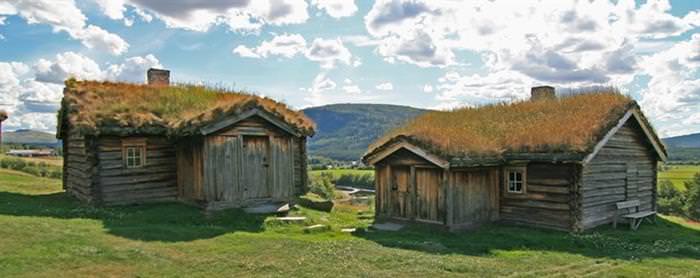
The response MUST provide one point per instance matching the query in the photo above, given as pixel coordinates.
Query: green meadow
(45, 233)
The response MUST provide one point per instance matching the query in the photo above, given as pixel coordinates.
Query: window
(515, 180)
(134, 153)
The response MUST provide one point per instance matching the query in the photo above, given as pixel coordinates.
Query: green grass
(43, 233)
(679, 174)
(339, 172)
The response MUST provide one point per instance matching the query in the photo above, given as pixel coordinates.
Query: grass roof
(567, 124)
(122, 108)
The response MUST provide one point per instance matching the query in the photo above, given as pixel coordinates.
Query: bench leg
(615, 222)
(632, 220)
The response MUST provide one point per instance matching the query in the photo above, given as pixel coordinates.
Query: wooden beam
(412, 148)
(230, 120)
(646, 129)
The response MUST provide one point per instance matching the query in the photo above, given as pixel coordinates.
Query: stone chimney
(158, 77)
(542, 92)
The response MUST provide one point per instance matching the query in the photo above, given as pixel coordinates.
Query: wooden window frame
(507, 180)
(134, 144)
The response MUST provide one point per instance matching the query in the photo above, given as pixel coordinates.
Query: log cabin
(554, 162)
(217, 149)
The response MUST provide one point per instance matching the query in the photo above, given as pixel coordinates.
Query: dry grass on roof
(567, 124)
(95, 105)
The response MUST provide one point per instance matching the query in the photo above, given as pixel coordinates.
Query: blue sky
(432, 54)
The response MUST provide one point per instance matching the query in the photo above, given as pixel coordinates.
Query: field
(44, 233)
(53, 160)
(678, 174)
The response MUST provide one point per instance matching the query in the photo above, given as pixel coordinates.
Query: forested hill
(684, 141)
(29, 137)
(683, 148)
(345, 130)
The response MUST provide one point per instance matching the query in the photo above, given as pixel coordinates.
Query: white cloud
(64, 16)
(328, 53)
(66, 65)
(200, 15)
(352, 89)
(428, 88)
(336, 8)
(386, 86)
(133, 69)
(563, 42)
(285, 45)
(32, 94)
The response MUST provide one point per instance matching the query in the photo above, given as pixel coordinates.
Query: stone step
(268, 208)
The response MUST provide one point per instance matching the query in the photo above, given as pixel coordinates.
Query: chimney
(158, 77)
(542, 92)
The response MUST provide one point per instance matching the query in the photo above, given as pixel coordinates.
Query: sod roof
(571, 124)
(124, 109)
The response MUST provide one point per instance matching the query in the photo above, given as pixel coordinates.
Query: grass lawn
(44, 233)
(678, 174)
(51, 160)
(339, 172)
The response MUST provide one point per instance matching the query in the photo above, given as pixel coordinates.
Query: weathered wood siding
(190, 175)
(624, 169)
(252, 161)
(156, 181)
(474, 196)
(80, 167)
(547, 199)
(409, 187)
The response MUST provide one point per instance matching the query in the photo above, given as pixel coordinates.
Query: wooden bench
(635, 217)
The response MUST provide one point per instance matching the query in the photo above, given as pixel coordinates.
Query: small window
(134, 153)
(515, 180)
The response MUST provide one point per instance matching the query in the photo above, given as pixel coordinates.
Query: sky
(432, 54)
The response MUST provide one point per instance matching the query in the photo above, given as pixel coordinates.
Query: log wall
(547, 198)
(624, 169)
(474, 197)
(80, 167)
(156, 181)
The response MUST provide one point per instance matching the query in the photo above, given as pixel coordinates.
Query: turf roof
(571, 124)
(125, 109)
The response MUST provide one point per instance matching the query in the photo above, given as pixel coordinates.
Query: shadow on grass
(168, 222)
(663, 239)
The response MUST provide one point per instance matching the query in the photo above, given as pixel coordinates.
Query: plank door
(401, 192)
(428, 199)
(256, 167)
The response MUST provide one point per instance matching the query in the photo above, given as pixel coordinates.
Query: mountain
(684, 147)
(29, 137)
(344, 131)
(683, 141)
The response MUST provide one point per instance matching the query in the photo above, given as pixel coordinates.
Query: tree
(671, 200)
(692, 198)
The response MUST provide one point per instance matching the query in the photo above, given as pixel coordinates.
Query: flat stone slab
(316, 228)
(388, 226)
(267, 209)
(291, 219)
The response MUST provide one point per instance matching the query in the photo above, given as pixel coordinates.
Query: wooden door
(428, 194)
(401, 192)
(256, 167)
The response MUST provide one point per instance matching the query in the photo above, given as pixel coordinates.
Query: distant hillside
(30, 137)
(684, 141)
(344, 131)
(684, 148)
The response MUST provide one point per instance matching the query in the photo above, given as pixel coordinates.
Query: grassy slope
(53, 160)
(678, 174)
(345, 130)
(43, 232)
